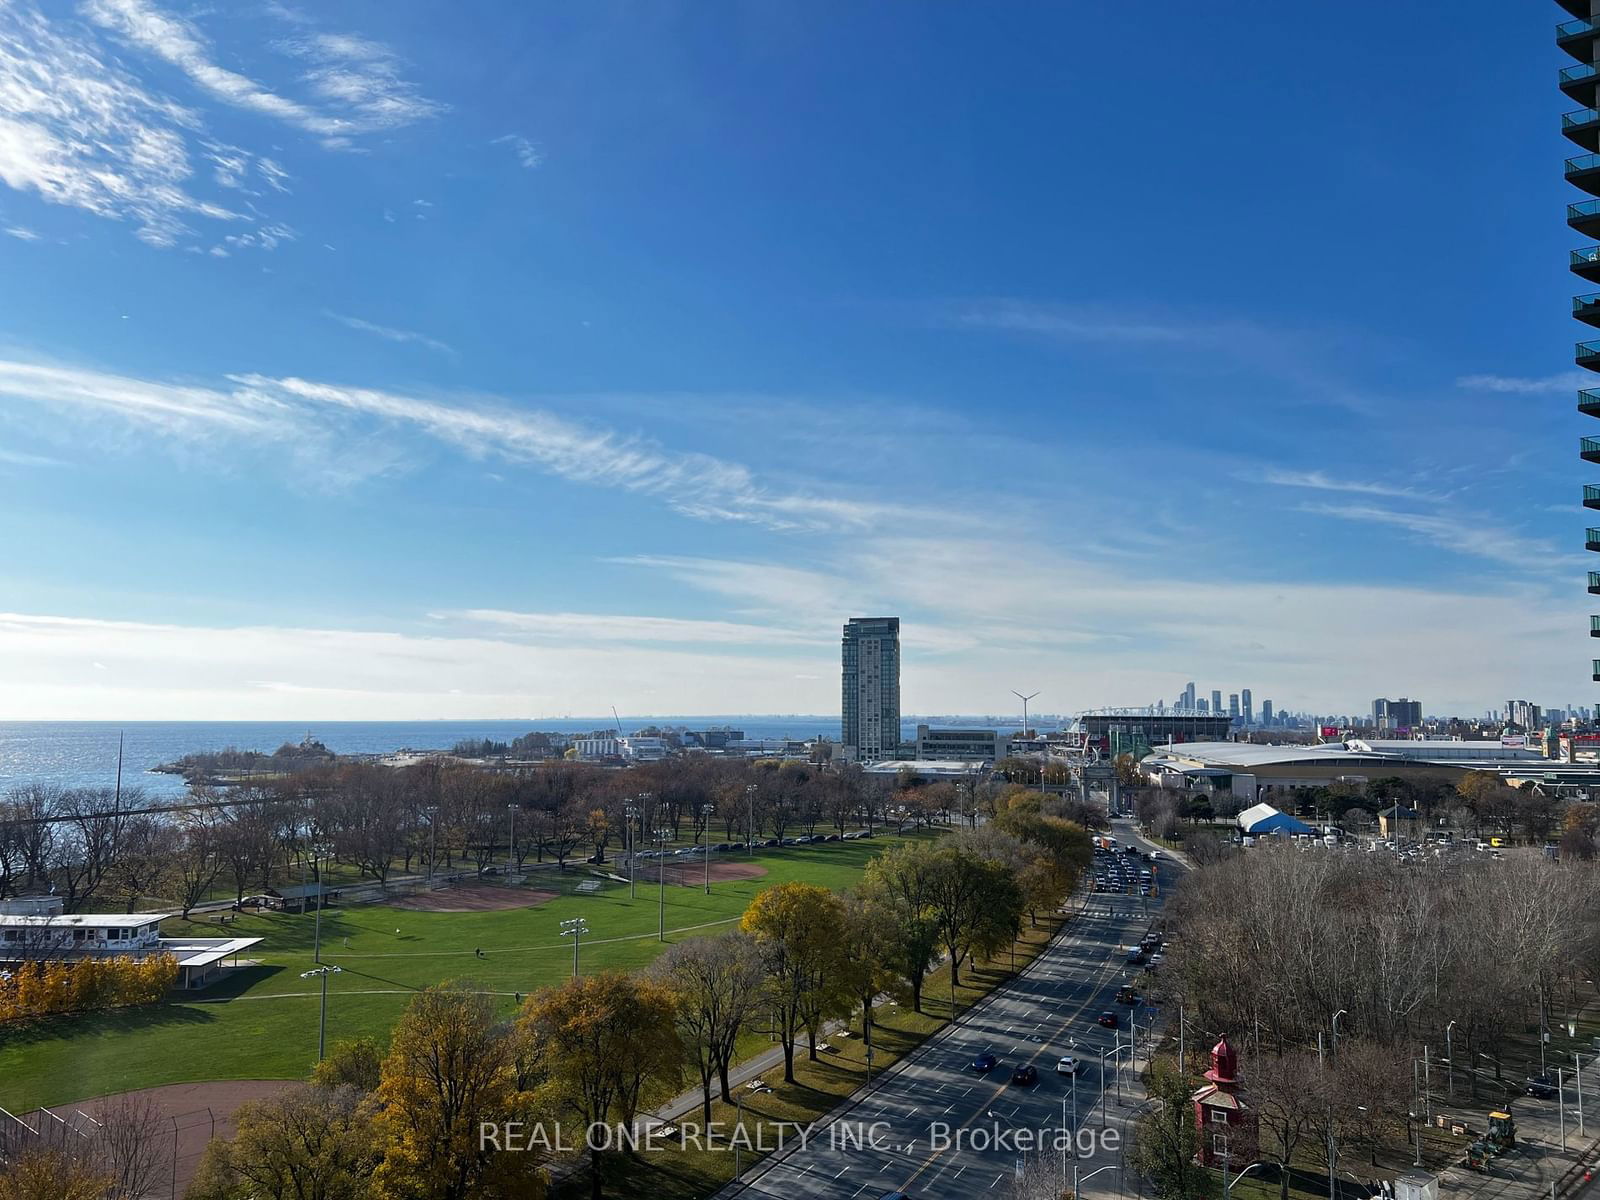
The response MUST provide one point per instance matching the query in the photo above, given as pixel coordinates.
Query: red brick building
(1223, 1123)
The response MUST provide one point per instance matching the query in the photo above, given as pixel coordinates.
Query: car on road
(984, 1063)
(1126, 995)
(1541, 1087)
(1068, 1065)
(1025, 1076)
(1156, 960)
(1109, 1019)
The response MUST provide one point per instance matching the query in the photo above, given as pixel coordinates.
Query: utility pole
(1450, 1062)
(630, 813)
(316, 866)
(750, 819)
(512, 809)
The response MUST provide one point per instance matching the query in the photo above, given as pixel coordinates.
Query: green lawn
(262, 1022)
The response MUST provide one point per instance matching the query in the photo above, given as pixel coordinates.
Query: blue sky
(405, 360)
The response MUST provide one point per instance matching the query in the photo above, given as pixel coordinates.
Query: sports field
(261, 1023)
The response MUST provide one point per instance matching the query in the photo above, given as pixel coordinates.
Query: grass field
(261, 1023)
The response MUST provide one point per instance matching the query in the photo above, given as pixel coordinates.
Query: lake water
(84, 753)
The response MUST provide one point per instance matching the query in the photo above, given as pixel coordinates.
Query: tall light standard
(322, 1020)
(317, 853)
(575, 929)
(431, 812)
(631, 813)
(662, 837)
(1343, 1012)
(705, 849)
(750, 819)
(512, 809)
(738, 1125)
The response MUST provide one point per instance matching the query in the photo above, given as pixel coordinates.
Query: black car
(1541, 1087)
(1026, 1076)
(983, 1063)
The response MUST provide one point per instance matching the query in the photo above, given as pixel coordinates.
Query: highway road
(938, 1130)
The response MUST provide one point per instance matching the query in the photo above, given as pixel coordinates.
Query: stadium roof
(1243, 756)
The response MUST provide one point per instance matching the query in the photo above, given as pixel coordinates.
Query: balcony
(1594, 626)
(1589, 449)
(1589, 402)
(1582, 127)
(1591, 496)
(1584, 172)
(1596, 670)
(1587, 309)
(1587, 355)
(1585, 218)
(1577, 38)
(1591, 539)
(1594, 583)
(1578, 84)
(1585, 263)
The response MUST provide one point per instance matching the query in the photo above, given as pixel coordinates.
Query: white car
(1068, 1065)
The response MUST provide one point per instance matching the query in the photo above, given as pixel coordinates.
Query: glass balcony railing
(1596, 669)
(1577, 120)
(1585, 260)
(1569, 29)
(1591, 495)
(1588, 446)
(1594, 626)
(1586, 352)
(1594, 582)
(1578, 74)
(1589, 402)
(1583, 306)
(1583, 215)
(1584, 162)
(1591, 536)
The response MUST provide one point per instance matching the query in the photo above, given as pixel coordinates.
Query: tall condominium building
(1233, 704)
(1246, 709)
(871, 688)
(1397, 714)
(1524, 713)
(1188, 696)
(1216, 701)
(1266, 712)
(1581, 85)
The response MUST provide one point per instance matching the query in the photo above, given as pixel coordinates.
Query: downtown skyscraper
(870, 701)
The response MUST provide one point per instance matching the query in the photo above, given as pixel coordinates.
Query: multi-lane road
(936, 1129)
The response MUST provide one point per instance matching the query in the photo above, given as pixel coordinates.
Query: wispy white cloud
(1521, 385)
(78, 130)
(606, 627)
(1320, 481)
(315, 417)
(1476, 536)
(357, 82)
(20, 458)
(1086, 325)
(390, 334)
(21, 233)
(528, 154)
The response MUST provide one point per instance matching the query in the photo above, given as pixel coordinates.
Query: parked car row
(761, 843)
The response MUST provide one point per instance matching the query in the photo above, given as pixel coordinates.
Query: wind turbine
(1024, 700)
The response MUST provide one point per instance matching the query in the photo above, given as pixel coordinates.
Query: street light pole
(750, 819)
(1089, 1176)
(512, 809)
(316, 868)
(661, 836)
(1450, 1062)
(575, 929)
(631, 811)
(705, 827)
(322, 1018)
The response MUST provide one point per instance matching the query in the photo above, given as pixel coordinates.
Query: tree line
(405, 1122)
(1328, 970)
(92, 846)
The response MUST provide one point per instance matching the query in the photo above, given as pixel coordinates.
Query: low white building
(32, 937)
